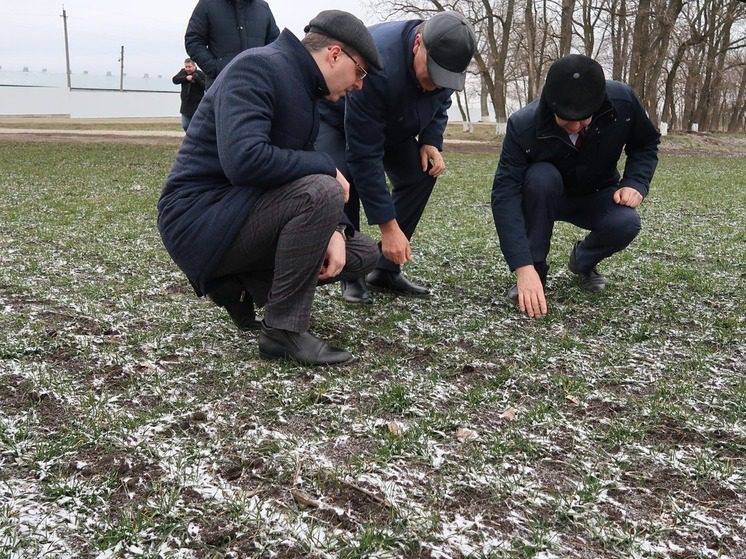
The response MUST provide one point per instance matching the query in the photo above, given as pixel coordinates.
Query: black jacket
(533, 136)
(191, 91)
(219, 29)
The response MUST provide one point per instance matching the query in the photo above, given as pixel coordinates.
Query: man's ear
(417, 42)
(332, 54)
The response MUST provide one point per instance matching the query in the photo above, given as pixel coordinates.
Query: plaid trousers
(279, 250)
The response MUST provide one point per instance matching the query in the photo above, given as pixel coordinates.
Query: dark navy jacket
(389, 109)
(253, 130)
(533, 136)
(219, 29)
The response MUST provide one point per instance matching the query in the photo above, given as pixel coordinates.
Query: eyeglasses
(360, 71)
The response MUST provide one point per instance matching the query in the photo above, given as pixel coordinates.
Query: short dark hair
(188, 61)
(315, 42)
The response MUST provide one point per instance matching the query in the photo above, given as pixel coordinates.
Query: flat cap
(349, 30)
(575, 87)
(450, 43)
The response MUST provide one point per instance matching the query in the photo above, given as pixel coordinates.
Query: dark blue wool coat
(253, 130)
(390, 108)
(533, 136)
(219, 29)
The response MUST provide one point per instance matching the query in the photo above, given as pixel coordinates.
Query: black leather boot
(231, 295)
(396, 282)
(303, 347)
(356, 291)
(589, 280)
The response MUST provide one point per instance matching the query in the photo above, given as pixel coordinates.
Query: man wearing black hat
(559, 163)
(250, 212)
(394, 127)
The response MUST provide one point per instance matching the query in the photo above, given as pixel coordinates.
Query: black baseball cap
(575, 87)
(349, 30)
(450, 42)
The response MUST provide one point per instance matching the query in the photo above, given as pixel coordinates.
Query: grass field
(135, 421)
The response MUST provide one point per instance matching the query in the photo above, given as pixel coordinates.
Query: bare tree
(685, 58)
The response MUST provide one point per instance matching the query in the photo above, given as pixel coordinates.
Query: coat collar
(310, 71)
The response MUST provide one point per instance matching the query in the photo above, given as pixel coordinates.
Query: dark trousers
(279, 251)
(612, 227)
(411, 187)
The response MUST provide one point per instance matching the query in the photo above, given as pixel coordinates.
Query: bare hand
(334, 259)
(394, 243)
(628, 196)
(429, 155)
(189, 77)
(345, 186)
(531, 298)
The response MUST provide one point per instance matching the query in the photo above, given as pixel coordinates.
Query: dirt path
(167, 132)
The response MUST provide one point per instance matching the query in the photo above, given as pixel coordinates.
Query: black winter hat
(575, 87)
(450, 43)
(349, 30)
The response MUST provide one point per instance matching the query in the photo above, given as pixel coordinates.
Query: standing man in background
(192, 81)
(559, 163)
(394, 127)
(219, 29)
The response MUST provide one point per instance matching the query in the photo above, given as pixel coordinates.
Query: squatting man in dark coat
(394, 127)
(559, 163)
(250, 212)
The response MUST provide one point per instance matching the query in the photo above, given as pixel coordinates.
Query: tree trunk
(739, 109)
(639, 56)
(568, 7)
(533, 77)
(619, 39)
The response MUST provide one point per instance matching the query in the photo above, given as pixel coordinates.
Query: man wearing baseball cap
(394, 127)
(559, 163)
(250, 212)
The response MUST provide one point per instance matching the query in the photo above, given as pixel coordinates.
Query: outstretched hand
(531, 298)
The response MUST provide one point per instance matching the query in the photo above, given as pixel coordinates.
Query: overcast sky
(152, 32)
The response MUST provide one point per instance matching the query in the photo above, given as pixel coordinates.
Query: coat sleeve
(641, 150)
(365, 130)
(180, 77)
(196, 40)
(507, 210)
(272, 30)
(199, 78)
(244, 108)
(433, 133)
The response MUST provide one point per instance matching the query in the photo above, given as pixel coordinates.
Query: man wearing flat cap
(394, 127)
(250, 212)
(559, 163)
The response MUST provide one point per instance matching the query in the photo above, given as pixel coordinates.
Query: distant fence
(87, 103)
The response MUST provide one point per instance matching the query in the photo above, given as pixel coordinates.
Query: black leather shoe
(590, 280)
(232, 296)
(396, 282)
(302, 347)
(355, 291)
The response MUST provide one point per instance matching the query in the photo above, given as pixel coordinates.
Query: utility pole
(67, 48)
(121, 70)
